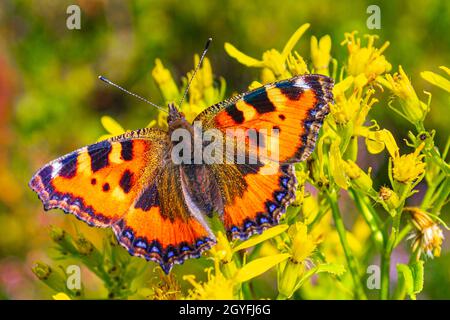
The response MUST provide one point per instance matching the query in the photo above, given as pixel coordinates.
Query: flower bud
(84, 246)
(320, 54)
(57, 234)
(42, 270)
(292, 273)
(358, 177)
(389, 197)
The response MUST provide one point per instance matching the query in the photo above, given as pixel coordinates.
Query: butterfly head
(176, 119)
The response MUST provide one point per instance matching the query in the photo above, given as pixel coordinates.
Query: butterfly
(156, 208)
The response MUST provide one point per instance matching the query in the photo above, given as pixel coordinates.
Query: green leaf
(333, 268)
(405, 278)
(268, 234)
(411, 278)
(418, 275)
(259, 266)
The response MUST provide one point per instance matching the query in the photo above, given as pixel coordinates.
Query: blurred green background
(51, 100)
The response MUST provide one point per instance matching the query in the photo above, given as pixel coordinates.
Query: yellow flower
(378, 140)
(224, 286)
(412, 108)
(217, 287)
(301, 248)
(165, 81)
(303, 244)
(409, 167)
(436, 79)
(202, 92)
(60, 296)
(167, 288)
(353, 109)
(320, 54)
(296, 64)
(428, 236)
(273, 60)
(344, 110)
(368, 61)
(222, 250)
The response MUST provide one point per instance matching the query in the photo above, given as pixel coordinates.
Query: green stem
(386, 257)
(443, 193)
(432, 185)
(351, 261)
(370, 217)
(402, 234)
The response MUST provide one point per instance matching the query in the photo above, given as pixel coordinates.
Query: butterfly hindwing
(162, 225)
(254, 200)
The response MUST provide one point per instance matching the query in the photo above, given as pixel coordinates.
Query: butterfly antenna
(208, 42)
(131, 93)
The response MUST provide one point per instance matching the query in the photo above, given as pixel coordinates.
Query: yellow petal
(436, 79)
(325, 43)
(242, 57)
(61, 296)
(389, 141)
(111, 125)
(337, 169)
(342, 86)
(259, 266)
(104, 137)
(447, 70)
(374, 146)
(151, 124)
(272, 232)
(293, 40)
(254, 85)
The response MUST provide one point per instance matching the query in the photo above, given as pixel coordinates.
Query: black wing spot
(69, 166)
(236, 114)
(259, 100)
(148, 199)
(99, 154)
(126, 181)
(127, 150)
(106, 187)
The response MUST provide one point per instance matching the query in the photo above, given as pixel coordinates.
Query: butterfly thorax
(176, 119)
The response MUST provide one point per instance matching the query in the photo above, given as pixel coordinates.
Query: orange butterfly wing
(161, 227)
(296, 107)
(99, 183)
(123, 183)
